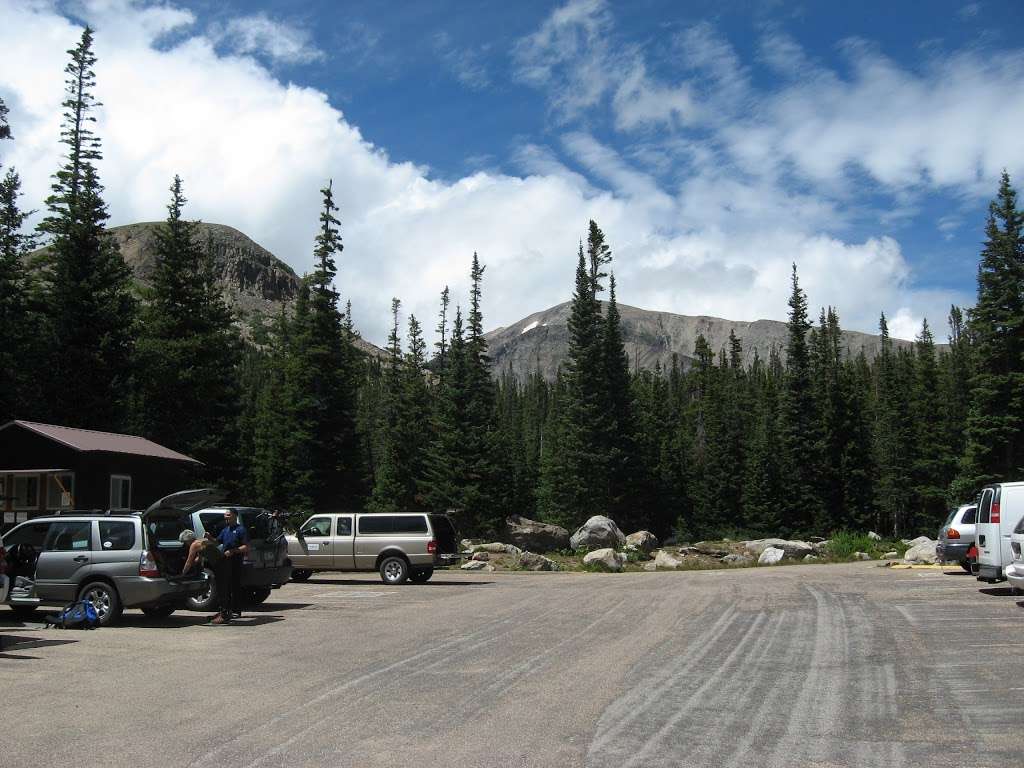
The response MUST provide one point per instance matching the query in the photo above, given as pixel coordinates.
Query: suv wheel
(394, 570)
(105, 600)
(301, 574)
(207, 599)
(421, 576)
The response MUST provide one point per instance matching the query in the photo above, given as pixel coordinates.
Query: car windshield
(949, 520)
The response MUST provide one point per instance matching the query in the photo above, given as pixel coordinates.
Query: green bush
(845, 543)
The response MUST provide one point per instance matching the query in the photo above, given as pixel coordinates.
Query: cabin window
(120, 492)
(60, 491)
(26, 491)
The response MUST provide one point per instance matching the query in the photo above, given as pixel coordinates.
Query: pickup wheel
(421, 576)
(207, 599)
(105, 600)
(394, 570)
(301, 574)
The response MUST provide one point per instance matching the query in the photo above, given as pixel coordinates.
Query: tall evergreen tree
(934, 462)
(620, 428)
(188, 351)
(799, 425)
(90, 304)
(995, 422)
(20, 329)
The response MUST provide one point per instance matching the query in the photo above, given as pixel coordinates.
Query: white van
(1000, 509)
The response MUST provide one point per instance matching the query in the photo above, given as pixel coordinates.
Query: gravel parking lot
(843, 665)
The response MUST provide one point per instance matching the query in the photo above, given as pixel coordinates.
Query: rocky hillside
(540, 341)
(253, 280)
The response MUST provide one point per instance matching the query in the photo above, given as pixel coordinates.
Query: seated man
(205, 551)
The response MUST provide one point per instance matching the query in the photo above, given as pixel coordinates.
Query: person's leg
(236, 585)
(223, 573)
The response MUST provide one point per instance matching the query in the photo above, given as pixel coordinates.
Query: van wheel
(421, 576)
(206, 600)
(105, 600)
(301, 574)
(158, 611)
(258, 595)
(394, 570)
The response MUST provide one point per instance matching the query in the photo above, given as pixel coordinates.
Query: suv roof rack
(94, 512)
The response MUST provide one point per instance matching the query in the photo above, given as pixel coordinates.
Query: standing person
(234, 543)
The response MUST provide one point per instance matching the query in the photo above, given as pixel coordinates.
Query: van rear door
(1010, 498)
(987, 532)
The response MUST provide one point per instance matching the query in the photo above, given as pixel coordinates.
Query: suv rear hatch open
(164, 521)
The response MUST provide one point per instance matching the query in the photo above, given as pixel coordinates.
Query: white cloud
(254, 151)
(259, 34)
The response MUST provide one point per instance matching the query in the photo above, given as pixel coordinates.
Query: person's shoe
(236, 614)
(214, 616)
(219, 619)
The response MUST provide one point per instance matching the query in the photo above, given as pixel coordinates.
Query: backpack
(79, 615)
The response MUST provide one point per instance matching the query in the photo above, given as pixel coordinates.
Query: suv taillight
(952, 533)
(994, 517)
(147, 565)
(432, 547)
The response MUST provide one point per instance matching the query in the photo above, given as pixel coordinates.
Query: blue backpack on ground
(80, 615)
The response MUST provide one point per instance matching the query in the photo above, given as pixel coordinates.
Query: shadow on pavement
(957, 572)
(271, 607)
(997, 591)
(177, 621)
(10, 643)
(378, 584)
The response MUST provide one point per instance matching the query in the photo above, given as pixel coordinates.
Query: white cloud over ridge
(254, 151)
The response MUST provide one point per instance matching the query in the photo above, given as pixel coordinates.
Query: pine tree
(321, 375)
(934, 462)
(893, 439)
(995, 422)
(799, 424)
(188, 352)
(20, 327)
(619, 435)
(388, 492)
(90, 306)
(574, 482)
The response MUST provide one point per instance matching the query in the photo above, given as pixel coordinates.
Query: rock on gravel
(770, 556)
(794, 550)
(531, 561)
(536, 536)
(664, 560)
(922, 552)
(734, 559)
(642, 541)
(607, 558)
(599, 532)
(862, 556)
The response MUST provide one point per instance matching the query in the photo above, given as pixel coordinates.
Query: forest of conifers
(295, 417)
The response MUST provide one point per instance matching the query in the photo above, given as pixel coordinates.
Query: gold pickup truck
(398, 546)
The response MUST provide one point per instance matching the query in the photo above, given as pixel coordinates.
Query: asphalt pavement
(818, 665)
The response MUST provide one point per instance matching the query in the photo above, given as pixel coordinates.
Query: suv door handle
(81, 559)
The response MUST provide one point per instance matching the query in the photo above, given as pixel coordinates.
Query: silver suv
(115, 560)
(398, 546)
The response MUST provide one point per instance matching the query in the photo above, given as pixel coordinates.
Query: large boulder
(531, 561)
(874, 536)
(736, 559)
(477, 565)
(599, 532)
(482, 556)
(794, 550)
(922, 552)
(642, 541)
(496, 548)
(709, 549)
(770, 556)
(607, 559)
(535, 536)
(664, 560)
(915, 542)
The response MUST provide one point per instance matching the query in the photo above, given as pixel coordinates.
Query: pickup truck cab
(398, 546)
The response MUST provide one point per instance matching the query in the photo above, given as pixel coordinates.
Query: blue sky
(715, 142)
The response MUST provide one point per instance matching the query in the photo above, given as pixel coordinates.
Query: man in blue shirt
(233, 541)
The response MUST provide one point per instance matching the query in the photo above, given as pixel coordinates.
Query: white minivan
(1000, 509)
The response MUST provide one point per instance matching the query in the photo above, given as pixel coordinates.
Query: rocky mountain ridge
(540, 342)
